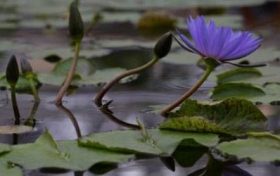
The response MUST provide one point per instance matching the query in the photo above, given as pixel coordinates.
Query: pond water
(37, 29)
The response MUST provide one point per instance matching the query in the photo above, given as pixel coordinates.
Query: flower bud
(12, 72)
(25, 66)
(163, 45)
(76, 26)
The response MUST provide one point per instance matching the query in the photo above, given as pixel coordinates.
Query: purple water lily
(220, 43)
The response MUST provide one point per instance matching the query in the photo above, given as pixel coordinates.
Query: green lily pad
(46, 153)
(241, 90)
(232, 116)
(160, 142)
(258, 147)
(238, 74)
(98, 77)
(84, 67)
(258, 85)
(272, 96)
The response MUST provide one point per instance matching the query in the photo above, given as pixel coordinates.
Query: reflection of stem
(15, 136)
(186, 95)
(79, 173)
(15, 106)
(72, 118)
(31, 121)
(70, 75)
(34, 90)
(105, 107)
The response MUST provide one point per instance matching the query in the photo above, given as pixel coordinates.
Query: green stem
(34, 90)
(104, 108)
(191, 91)
(15, 106)
(70, 75)
(109, 85)
(31, 121)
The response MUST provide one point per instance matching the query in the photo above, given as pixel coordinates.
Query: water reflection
(72, 118)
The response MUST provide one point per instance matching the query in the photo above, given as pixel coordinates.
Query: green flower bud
(76, 26)
(12, 72)
(163, 45)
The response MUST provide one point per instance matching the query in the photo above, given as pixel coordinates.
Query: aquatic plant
(161, 49)
(76, 30)
(12, 75)
(216, 45)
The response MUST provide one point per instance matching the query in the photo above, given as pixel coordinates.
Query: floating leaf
(238, 74)
(160, 142)
(84, 67)
(272, 96)
(258, 147)
(15, 129)
(99, 76)
(241, 90)
(193, 124)
(46, 153)
(231, 116)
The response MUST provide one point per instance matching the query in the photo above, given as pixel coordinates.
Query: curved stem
(109, 85)
(72, 118)
(15, 106)
(186, 95)
(31, 121)
(70, 75)
(34, 91)
(104, 108)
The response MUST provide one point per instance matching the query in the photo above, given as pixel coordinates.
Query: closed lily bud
(163, 45)
(12, 72)
(76, 26)
(25, 66)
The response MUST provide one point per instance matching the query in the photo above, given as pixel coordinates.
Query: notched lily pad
(232, 116)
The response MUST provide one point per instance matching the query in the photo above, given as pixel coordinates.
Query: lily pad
(241, 90)
(15, 129)
(46, 153)
(238, 74)
(98, 77)
(232, 116)
(258, 147)
(159, 142)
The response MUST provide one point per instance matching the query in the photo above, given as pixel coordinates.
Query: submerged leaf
(231, 116)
